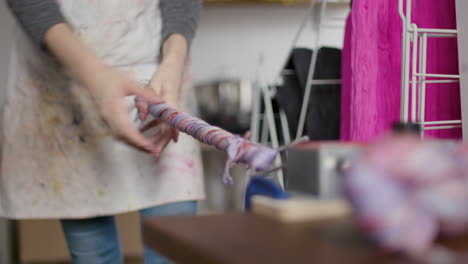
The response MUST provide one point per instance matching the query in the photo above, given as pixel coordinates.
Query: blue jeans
(96, 241)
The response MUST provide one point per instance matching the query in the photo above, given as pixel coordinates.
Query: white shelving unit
(414, 81)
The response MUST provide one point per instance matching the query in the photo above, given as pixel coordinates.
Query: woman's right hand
(107, 86)
(109, 89)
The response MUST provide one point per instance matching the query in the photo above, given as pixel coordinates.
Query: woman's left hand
(166, 83)
(164, 134)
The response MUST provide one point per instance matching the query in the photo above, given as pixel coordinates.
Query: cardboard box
(42, 241)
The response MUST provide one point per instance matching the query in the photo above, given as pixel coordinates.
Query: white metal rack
(264, 93)
(414, 57)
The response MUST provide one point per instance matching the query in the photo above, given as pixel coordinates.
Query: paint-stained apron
(58, 159)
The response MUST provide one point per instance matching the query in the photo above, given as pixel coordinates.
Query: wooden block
(299, 209)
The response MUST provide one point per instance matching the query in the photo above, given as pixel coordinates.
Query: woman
(67, 102)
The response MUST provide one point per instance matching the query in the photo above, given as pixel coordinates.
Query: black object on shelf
(401, 127)
(323, 112)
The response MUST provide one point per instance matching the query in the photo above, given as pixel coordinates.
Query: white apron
(58, 160)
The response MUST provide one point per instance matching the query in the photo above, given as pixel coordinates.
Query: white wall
(6, 25)
(462, 26)
(232, 38)
(6, 31)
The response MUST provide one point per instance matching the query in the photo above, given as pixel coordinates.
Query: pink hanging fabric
(372, 68)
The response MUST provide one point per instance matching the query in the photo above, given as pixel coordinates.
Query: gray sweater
(37, 16)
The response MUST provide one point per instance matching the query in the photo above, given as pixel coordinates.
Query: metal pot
(226, 103)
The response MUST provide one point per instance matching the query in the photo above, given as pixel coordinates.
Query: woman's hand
(164, 134)
(109, 89)
(106, 85)
(166, 83)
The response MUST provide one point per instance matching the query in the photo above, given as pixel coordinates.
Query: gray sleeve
(180, 16)
(36, 16)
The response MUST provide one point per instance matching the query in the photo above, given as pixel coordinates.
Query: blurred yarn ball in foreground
(405, 192)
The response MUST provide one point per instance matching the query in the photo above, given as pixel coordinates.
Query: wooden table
(246, 238)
